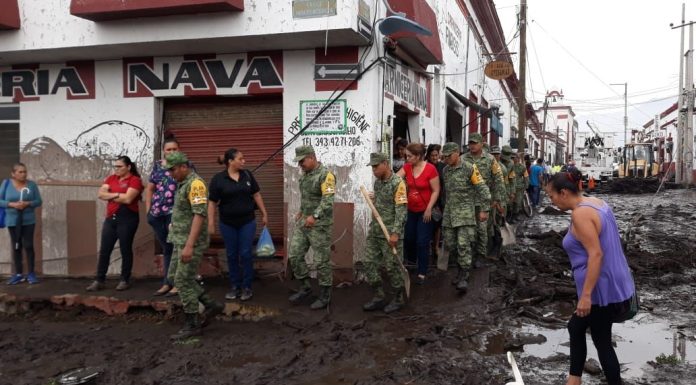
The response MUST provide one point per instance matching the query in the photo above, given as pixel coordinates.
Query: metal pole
(625, 117)
(689, 127)
(679, 150)
(543, 129)
(522, 114)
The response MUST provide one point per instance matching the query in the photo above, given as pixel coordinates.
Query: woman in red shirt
(423, 184)
(122, 191)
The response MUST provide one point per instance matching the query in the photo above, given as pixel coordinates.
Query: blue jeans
(160, 225)
(238, 244)
(417, 236)
(535, 192)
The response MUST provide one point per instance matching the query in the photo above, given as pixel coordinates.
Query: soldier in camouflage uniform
(313, 226)
(493, 176)
(500, 211)
(390, 200)
(521, 182)
(505, 158)
(189, 235)
(464, 187)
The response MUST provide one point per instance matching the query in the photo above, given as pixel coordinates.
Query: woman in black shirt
(235, 194)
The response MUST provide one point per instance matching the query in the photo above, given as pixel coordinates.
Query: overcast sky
(581, 46)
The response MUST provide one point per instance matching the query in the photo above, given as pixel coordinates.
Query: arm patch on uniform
(328, 187)
(496, 168)
(198, 194)
(476, 177)
(400, 195)
(526, 174)
(512, 174)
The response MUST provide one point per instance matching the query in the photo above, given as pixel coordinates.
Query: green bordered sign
(332, 122)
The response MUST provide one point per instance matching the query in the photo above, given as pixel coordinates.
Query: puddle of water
(637, 342)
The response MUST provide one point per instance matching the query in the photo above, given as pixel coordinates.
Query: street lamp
(399, 23)
(625, 120)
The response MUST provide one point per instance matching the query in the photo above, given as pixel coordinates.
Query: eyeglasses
(119, 166)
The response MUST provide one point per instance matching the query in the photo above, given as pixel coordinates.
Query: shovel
(507, 232)
(515, 370)
(375, 213)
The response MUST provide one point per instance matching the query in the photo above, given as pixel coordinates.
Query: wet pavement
(520, 303)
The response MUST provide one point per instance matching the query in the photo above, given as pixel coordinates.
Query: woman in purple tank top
(600, 270)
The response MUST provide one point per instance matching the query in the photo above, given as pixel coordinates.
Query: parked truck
(596, 161)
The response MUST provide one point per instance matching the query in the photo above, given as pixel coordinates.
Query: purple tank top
(615, 283)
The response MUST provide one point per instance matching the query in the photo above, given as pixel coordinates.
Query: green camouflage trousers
(459, 239)
(379, 254)
(190, 291)
(480, 248)
(319, 238)
(517, 208)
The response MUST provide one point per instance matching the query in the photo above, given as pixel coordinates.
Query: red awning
(425, 49)
(9, 17)
(98, 10)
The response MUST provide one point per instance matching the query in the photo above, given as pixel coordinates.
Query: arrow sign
(336, 71)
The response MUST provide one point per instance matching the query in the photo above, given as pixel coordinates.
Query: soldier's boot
(323, 300)
(397, 302)
(463, 284)
(456, 279)
(213, 308)
(377, 302)
(494, 254)
(304, 292)
(192, 328)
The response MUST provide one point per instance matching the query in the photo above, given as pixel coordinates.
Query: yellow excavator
(638, 161)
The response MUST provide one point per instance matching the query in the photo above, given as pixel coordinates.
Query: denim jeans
(417, 236)
(26, 233)
(120, 227)
(535, 192)
(160, 225)
(238, 244)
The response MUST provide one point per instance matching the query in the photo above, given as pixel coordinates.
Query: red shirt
(419, 191)
(121, 186)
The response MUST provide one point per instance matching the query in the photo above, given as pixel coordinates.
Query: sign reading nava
(407, 87)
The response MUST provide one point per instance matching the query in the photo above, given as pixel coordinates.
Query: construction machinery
(638, 161)
(596, 161)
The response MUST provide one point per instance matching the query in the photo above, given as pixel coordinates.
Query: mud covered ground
(520, 303)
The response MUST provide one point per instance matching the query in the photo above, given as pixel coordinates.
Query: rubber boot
(192, 328)
(323, 300)
(397, 303)
(212, 309)
(463, 283)
(377, 302)
(304, 292)
(456, 279)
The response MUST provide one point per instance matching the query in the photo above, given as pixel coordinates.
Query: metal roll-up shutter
(205, 130)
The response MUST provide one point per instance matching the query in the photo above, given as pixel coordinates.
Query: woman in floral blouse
(159, 200)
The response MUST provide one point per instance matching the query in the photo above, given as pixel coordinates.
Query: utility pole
(522, 114)
(625, 84)
(543, 128)
(689, 127)
(679, 150)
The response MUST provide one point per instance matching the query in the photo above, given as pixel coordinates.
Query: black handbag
(624, 311)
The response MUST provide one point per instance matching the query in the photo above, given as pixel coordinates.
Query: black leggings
(27, 237)
(120, 227)
(599, 322)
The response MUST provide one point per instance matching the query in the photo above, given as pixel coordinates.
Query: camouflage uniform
(521, 184)
(510, 176)
(464, 187)
(317, 190)
(191, 199)
(390, 201)
(493, 176)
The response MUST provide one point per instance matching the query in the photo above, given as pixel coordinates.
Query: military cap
(494, 150)
(475, 137)
(377, 158)
(302, 152)
(507, 150)
(450, 148)
(175, 159)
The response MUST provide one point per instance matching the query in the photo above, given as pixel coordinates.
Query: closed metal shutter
(205, 130)
(9, 132)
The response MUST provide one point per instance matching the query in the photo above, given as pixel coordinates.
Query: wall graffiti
(89, 156)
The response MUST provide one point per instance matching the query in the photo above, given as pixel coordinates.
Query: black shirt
(235, 198)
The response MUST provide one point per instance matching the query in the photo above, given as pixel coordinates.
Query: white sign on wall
(331, 121)
(407, 87)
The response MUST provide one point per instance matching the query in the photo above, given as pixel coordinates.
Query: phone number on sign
(333, 141)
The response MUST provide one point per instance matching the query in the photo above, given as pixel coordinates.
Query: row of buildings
(84, 81)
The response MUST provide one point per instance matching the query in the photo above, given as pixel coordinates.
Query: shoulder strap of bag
(415, 187)
(5, 183)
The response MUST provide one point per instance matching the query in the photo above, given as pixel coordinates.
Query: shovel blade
(507, 232)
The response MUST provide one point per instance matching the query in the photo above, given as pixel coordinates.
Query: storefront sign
(453, 35)
(331, 121)
(498, 70)
(407, 87)
(29, 84)
(223, 75)
(303, 9)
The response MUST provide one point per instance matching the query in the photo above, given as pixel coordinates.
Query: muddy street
(520, 303)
